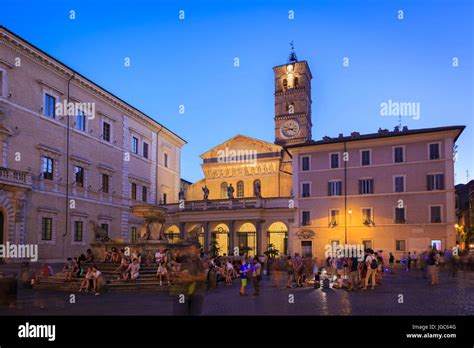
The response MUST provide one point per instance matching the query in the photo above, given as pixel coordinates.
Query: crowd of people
(350, 273)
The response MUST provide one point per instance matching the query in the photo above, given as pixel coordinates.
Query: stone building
(74, 155)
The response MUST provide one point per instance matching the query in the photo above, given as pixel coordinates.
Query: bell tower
(292, 102)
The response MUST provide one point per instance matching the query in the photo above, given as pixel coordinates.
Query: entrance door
(307, 248)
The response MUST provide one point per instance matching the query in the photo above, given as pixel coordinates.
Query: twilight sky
(190, 62)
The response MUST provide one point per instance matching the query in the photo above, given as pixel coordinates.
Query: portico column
(259, 237)
(182, 231)
(231, 238)
(207, 236)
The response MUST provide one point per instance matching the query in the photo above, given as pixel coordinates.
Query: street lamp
(350, 223)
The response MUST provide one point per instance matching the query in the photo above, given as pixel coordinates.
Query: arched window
(255, 186)
(240, 189)
(285, 84)
(295, 82)
(224, 190)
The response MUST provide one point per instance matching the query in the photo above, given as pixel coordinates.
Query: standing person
(243, 277)
(432, 262)
(409, 261)
(353, 263)
(191, 284)
(256, 276)
(380, 267)
(391, 261)
(415, 260)
(290, 272)
(371, 262)
(298, 269)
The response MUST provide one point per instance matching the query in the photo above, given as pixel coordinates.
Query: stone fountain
(150, 235)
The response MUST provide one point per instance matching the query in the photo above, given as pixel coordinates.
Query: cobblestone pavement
(453, 296)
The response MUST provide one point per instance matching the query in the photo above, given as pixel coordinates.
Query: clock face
(290, 129)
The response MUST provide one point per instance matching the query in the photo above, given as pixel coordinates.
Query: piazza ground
(453, 296)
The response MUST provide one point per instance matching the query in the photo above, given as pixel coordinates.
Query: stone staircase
(147, 281)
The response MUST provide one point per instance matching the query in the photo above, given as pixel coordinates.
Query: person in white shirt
(96, 276)
(133, 269)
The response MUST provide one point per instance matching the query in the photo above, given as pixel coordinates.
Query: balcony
(14, 177)
(234, 204)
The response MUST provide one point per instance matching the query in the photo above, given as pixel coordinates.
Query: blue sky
(190, 62)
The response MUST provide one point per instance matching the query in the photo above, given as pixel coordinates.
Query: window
(365, 158)
(398, 155)
(366, 186)
(305, 163)
(435, 182)
(399, 183)
(367, 244)
(79, 176)
(165, 160)
(334, 217)
(134, 191)
(224, 190)
(81, 121)
(307, 248)
(135, 145)
(133, 234)
(106, 228)
(285, 84)
(145, 194)
(78, 230)
(334, 188)
(46, 228)
(400, 245)
(106, 131)
(366, 216)
(165, 198)
(295, 82)
(434, 151)
(436, 244)
(305, 218)
(305, 190)
(240, 189)
(105, 183)
(400, 215)
(47, 168)
(435, 214)
(49, 106)
(145, 150)
(334, 159)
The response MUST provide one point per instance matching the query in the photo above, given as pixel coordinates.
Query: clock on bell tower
(292, 102)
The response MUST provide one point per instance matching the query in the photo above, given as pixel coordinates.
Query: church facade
(390, 190)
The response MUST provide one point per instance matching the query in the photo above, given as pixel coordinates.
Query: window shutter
(371, 185)
(442, 182)
(428, 187)
(360, 187)
(329, 188)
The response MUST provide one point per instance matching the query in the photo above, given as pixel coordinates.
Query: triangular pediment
(242, 143)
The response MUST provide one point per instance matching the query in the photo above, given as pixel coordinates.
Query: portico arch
(277, 235)
(220, 236)
(247, 238)
(172, 233)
